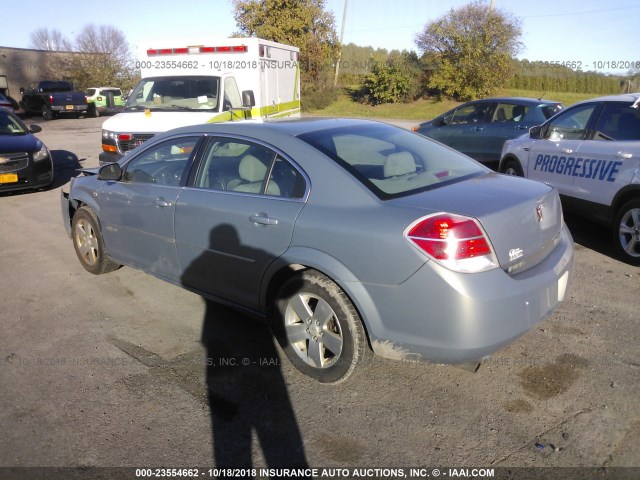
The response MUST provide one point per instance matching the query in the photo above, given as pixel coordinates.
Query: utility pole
(344, 17)
(491, 6)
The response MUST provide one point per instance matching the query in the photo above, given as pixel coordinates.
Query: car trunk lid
(522, 218)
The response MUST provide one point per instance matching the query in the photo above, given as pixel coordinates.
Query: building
(22, 67)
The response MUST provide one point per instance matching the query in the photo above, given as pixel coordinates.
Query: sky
(593, 33)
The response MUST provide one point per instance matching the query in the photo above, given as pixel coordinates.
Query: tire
(626, 232)
(330, 341)
(92, 111)
(512, 167)
(88, 243)
(26, 112)
(47, 113)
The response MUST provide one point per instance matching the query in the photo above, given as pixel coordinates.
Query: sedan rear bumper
(471, 315)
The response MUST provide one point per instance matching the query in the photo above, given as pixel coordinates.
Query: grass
(425, 109)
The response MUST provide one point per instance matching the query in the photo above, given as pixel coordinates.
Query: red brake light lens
(455, 241)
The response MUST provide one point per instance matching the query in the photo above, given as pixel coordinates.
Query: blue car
(25, 162)
(480, 128)
(349, 236)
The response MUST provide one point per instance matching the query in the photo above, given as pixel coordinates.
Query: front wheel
(88, 243)
(626, 232)
(512, 167)
(318, 328)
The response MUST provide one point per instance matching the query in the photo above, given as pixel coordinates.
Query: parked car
(349, 235)
(591, 153)
(104, 100)
(52, 99)
(25, 162)
(480, 128)
(5, 103)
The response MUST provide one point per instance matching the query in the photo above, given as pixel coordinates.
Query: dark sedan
(480, 128)
(25, 162)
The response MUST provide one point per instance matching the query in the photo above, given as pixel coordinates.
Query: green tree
(470, 50)
(103, 58)
(99, 56)
(304, 24)
(394, 78)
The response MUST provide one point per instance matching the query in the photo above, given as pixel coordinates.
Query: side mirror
(35, 128)
(248, 99)
(111, 172)
(536, 132)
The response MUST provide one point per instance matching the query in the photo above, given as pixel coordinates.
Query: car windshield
(393, 162)
(171, 93)
(10, 125)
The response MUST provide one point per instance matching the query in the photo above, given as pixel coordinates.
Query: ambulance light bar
(186, 50)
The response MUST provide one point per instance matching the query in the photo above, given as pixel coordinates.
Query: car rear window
(393, 162)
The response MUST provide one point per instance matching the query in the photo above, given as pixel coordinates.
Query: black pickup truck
(52, 98)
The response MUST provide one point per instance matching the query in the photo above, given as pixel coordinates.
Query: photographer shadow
(246, 390)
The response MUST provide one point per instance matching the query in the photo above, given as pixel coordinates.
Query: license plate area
(69, 107)
(8, 177)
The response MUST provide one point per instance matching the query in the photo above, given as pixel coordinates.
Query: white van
(194, 82)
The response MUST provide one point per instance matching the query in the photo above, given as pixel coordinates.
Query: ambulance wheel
(626, 232)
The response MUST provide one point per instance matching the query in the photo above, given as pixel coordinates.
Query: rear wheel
(88, 243)
(626, 232)
(92, 111)
(47, 113)
(318, 328)
(512, 167)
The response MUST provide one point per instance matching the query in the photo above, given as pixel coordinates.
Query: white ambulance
(193, 81)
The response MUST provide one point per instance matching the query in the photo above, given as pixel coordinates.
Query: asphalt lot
(112, 370)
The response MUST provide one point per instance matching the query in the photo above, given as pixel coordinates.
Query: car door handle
(477, 129)
(263, 219)
(566, 150)
(161, 202)
(624, 155)
(522, 127)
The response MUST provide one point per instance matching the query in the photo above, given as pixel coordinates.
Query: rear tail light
(455, 241)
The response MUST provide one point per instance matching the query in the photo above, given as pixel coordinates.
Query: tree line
(467, 53)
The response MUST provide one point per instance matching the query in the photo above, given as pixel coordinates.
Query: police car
(591, 153)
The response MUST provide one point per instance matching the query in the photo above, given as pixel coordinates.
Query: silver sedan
(350, 236)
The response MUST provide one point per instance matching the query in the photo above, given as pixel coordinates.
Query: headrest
(251, 169)
(401, 163)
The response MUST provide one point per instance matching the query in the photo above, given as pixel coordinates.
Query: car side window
(509, 112)
(572, 125)
(235, 165)
(163, 164)
(474, 113)
(618, 122)
(289, 181)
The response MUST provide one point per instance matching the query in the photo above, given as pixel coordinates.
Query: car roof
(530, 100)
(625, 97)
(287, 127)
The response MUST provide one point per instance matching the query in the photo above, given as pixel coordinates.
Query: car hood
(522, 218)
(19, 143)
